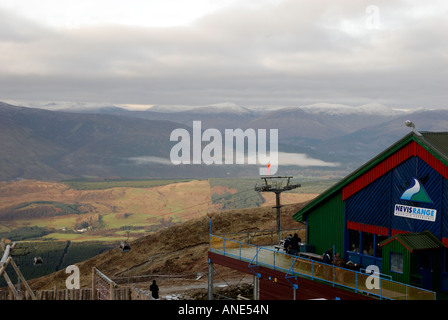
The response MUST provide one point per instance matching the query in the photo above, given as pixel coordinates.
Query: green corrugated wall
(410, 264)
(326, 225)
(397, 247)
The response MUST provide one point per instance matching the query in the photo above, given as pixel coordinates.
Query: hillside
(109, 141)
(115, 209)
(178, 250)
(51, 145)
(55, 145)
(369, 141)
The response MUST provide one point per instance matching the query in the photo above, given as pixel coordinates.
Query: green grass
(134, 211)
(314, 186)
(244, 197)
(135, 219)
(24, 233)
(81, 251)
(247, 197)
(67, 221)
(59, 236)
(66, 208)
(36, 210)
(123, 183)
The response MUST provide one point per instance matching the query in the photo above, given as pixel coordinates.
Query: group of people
(336, 260)
(292, 244)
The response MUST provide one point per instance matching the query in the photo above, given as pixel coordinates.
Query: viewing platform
(258, 249)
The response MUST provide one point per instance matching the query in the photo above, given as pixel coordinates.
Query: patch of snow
(172, 297)
(171, 108)
(341, 109)
(225, 107)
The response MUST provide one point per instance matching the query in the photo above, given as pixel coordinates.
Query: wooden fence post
(93, 297)
(111, 291)
(16, 269)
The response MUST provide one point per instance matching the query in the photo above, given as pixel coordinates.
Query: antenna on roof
(411, 124)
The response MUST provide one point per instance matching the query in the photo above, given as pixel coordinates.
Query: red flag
(269, 164)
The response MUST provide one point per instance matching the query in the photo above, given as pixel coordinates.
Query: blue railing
(267, 256)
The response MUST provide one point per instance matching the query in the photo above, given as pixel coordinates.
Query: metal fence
(291, 265)
(263, 237)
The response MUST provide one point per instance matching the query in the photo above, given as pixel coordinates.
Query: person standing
(154, 288)
(286, 243)
(295, 244)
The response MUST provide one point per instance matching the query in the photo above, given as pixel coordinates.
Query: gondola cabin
(37, 261)
(125, 246)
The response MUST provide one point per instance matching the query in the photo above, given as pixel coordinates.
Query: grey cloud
(14, 28)
(291, 53)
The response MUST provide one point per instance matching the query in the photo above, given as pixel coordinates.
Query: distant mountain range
(54, 141)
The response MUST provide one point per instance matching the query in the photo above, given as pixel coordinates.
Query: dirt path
(179, 290)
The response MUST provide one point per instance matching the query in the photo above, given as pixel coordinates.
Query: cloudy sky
(250, 52)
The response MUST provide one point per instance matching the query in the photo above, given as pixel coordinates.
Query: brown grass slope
(181, 249)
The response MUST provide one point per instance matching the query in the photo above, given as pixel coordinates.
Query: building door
(425, 268)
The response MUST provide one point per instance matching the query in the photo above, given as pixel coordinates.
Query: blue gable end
(374, 205)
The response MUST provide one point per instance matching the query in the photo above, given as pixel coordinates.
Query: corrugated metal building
(402, 191)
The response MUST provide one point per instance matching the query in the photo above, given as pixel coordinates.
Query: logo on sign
(416, 193)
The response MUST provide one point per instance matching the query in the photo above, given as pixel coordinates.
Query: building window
(353, 240)
(367, 243)
(379, 250)
(396, 262)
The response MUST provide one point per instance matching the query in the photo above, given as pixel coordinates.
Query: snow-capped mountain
(226, 107)
(217, 108)
(341, 109)
(170, 108)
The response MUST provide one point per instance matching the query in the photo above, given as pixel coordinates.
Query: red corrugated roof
(410, 150)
